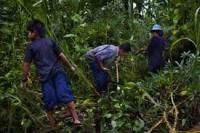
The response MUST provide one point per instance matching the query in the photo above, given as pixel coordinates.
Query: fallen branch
(155, 125)
(176, 114)
(162, 119)
(167, 122)
(151, 99)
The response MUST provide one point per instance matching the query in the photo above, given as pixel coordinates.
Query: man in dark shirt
(155, 49)
(45, 54)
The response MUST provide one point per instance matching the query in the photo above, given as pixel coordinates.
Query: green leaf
(138, 125)
(108, 115)
(69, 35)
(183, 93)
(37, 3)
(183, 122)
(114, 124)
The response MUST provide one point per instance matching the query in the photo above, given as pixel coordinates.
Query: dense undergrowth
(170, 98)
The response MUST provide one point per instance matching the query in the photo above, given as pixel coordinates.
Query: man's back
(155, 53)
(105, 53)
(44, 53)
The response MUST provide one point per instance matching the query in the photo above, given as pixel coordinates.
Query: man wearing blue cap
(155, 49)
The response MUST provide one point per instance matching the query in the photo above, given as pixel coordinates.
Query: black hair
(37, 26)
(125, 47)
(157, 31)
(160, 32)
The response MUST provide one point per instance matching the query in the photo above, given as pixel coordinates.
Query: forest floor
(196, 128)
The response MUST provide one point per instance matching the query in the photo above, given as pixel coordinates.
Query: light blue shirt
(105, 53)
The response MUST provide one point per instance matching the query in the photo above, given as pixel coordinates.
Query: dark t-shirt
(155, 53)
(44, 54)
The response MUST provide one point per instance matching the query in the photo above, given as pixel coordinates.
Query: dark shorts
(56, 91)
(100, 77)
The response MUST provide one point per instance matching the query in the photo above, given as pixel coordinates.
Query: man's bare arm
(25, 69)
(64, 59)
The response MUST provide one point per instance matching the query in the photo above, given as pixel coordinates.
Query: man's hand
(23, 84)
(107, 70)
(26, 83)
(141, 51)
(103, 67)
